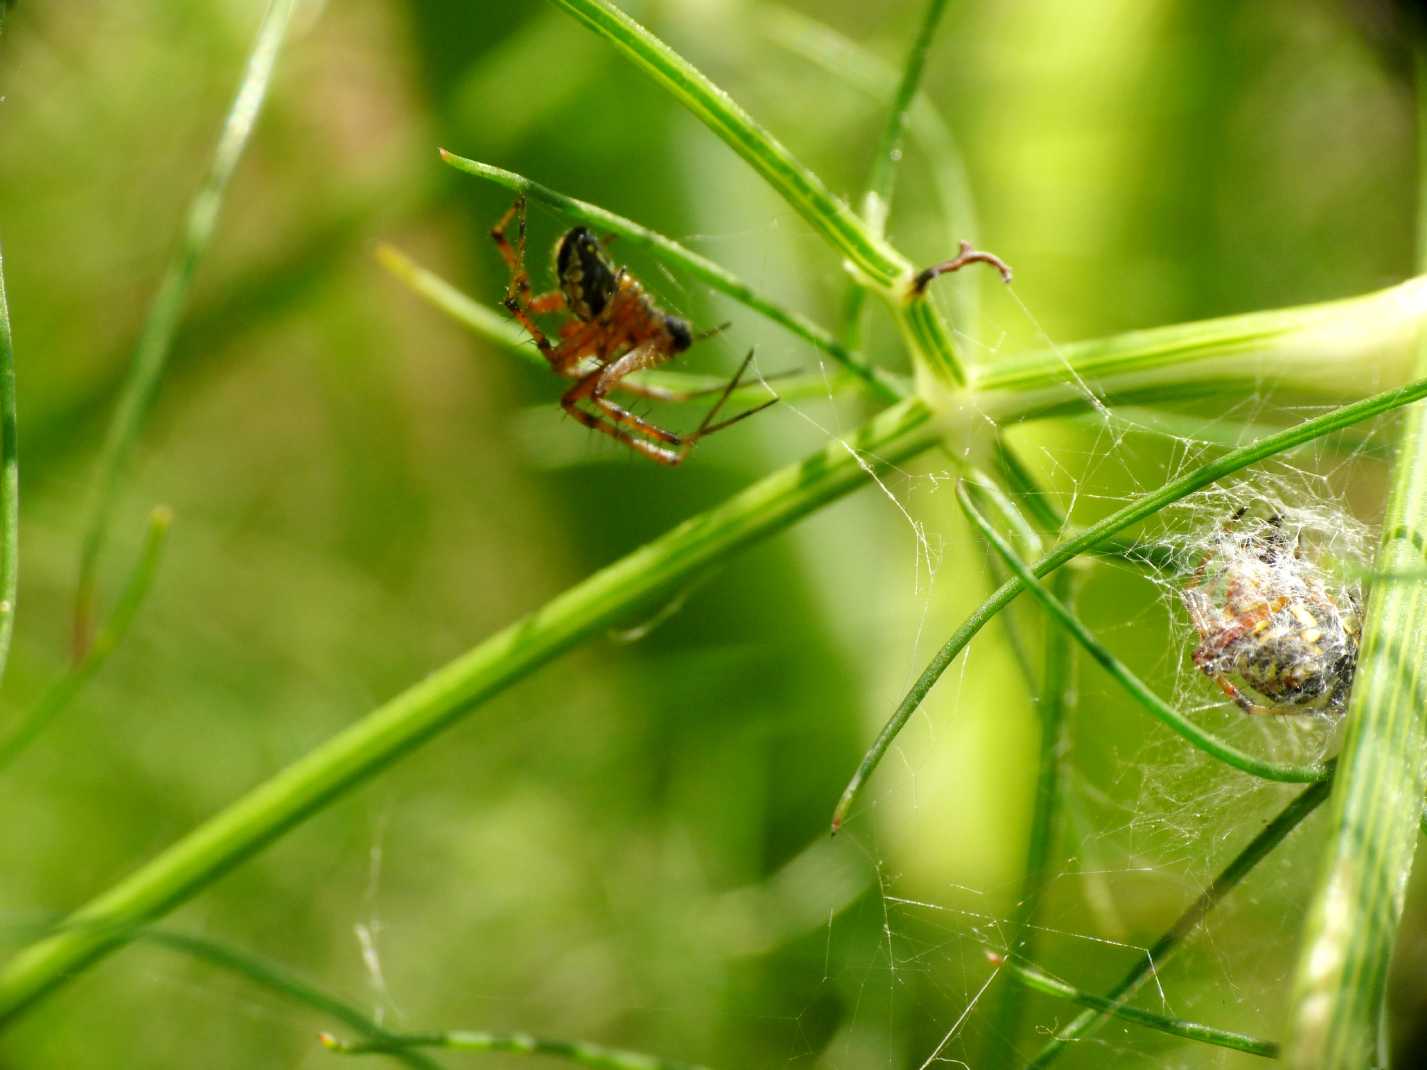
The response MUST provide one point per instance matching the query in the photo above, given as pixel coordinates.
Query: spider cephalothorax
(1266, 614)
(614, 329)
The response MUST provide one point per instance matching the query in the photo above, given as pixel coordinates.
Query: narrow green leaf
(579, 1052)
(1038, 980)
(151, 355)
(882, 179)
(71, 681)
(285, 983)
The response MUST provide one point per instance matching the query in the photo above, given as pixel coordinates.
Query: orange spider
(615, 329)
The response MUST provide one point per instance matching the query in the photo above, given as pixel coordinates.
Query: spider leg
(704, 336)
(518, 301)
(554, 301)
(661, 393)
(708, 427)
(514, 258)
(595, 422)
(657, 444)
(612, 419)
(1203, 658)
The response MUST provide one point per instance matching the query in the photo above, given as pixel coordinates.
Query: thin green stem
(1037, 980)
(436, 702)
(882, 179)
(1119, 671)
(1257, 849)
(850, 64)
(882, 384)
(575, 1051)
(71, 680)
(1340, 990)
(804, 191)
(500, 330)
(9, 477)
(1133, 512)
(1052, 703)
(286, 984)
(151, 354)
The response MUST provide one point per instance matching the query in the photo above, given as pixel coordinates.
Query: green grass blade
(1038, 980)
(596, 1056)
(285, 983)
(63, 690)
(883, 266)
(1142, 693)
(881, 185)
(882, 179)
(1144, 506)
(849, 64)
(1340, 990)
(9, 477)
(437, 701)
(151, 354)
(882, 384)
(1257, 849)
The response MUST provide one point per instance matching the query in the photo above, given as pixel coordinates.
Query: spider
(614, 329)
(1264, 614)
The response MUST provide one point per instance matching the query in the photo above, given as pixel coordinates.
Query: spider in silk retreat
(1266, 614)
(613, 329)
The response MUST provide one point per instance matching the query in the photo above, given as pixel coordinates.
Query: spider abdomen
(587, 278)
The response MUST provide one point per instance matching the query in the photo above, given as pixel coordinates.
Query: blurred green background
(631, 846)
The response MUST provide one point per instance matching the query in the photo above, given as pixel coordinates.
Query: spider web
(890, 925)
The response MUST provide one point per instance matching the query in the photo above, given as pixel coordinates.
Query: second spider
(614, 329)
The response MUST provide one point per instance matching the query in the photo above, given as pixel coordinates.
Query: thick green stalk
(1155, 959)
(1135, 511)
(9, 477)
(1341, 985)
(71, 681)
(440, 699)
(1028, 976)
(579, 1052)
(154, 344)
(1157, 708)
